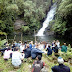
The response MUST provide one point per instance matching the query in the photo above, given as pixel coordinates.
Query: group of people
(18, 51)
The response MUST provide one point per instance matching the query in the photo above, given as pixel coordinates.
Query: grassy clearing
(6, 66)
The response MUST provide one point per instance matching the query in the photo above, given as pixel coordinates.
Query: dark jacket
(27, 52)
(3, 49)
(56, 49)
(60, 68)
(49, 51)
(35, 52)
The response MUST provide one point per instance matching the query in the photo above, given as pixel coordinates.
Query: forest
(33, 13)
(30, 11)
(63, 19)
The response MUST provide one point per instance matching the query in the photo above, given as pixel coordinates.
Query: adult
(5, 43)
(13, 46)
(41, 46)
(25, 43)
(64, 48)
(2, 51)
(61, 67)
(49, 50)
(19, 44)
(38, 64)
(53, 44)
(27, 51)
(56, 48)
(30, 46)
(58, 43)
(17, 58)
(22, 47)
(7, 54)
(35, 52)
(15, 43)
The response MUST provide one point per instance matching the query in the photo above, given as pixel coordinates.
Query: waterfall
(49, 18)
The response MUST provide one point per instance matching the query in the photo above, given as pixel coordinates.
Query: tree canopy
(30, 11)
(63, 19)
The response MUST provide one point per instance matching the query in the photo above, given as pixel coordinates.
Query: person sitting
(49, 50)
(19, 44)
(5, 43)
(7, 54)
(64, 48)
(22, 47)
(35, 52)
(58, 43)
(56, 48)
(61, 67)
(41, 46)
(27, 51)
(13, 47)
(2, 51)
(15, 43)
(17, 58)
(38, 64)
(53, 45)
(30, 45)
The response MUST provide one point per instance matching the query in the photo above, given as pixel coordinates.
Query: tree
(63, 23)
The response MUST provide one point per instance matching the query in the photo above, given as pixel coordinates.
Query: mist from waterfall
(49, 18)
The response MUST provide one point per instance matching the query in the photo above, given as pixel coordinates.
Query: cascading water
(49, 18)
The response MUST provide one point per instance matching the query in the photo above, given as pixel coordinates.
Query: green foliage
(65, 8)
(3, 33)
(31, 11)
(2, 42)
(63, 18)
(25, 28)
(60, 27)
(69, 48)
(11, 7)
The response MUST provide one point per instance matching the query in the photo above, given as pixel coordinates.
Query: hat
(60, 60)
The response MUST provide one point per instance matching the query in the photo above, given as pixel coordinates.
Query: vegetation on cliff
(63, 19)
(30, 11)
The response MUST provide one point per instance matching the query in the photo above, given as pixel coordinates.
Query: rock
(18, 23)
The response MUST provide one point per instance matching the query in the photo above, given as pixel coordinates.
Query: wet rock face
(18, 24)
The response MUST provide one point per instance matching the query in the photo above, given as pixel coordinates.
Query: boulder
(18, 24)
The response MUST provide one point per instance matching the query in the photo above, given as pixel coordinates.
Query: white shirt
(22, 48)
(7, 54)
(58, 44)
(41, 46)
(16, 58)
(47, 46)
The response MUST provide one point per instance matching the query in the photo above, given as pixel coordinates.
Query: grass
(6, 66)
